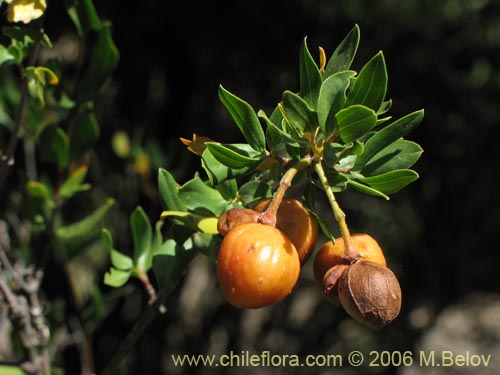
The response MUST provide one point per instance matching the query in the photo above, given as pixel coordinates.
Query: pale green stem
(350, 253)
(269, 215)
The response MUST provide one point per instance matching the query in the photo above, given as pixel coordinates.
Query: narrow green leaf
(107, 238)
(388, 135)
(331, 99)
(116, 278)
(53, 145)
(298, 112)
(142, 236)
(310, 77)
(355, 121)
(371, 84)
(367, 189)
(85, 133)
(343, 55)
(85, 228)
(245, 118)
(384, 107)
(83, 15)
(38, 189)
(217, 172)
(255, 190)
(74, 183)
(199, 197)
(168, 191)
(401, 154)
(233, 157)
(103, 61)
(279, 136)
(391, 182)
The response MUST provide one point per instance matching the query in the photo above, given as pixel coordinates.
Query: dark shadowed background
(439, 234)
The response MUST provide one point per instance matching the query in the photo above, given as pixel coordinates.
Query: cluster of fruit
(258, 264)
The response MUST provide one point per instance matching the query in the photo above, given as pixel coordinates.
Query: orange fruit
(257, 265)
(297, 223)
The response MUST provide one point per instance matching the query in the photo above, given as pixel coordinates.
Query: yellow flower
(25, 10)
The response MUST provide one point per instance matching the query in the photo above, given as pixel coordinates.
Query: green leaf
(391, 182)
(208, 225)
(168, 191)
(142, 236)
(310, 77)
(298, 112)
(116, 278)
(53, 146)
(38, 78)
(10, 369)
(85, 228)
(217, 172)
(119, 260)
(388, 135)
(83, 15)
(331, 99)
(254, 190)
(85, 133)
(245, 118)
(228, 189)
(73, 184)
(275, 135)
(199, 197)
(37, 189)
(344, 54)
(170, 262)
(26, 35)
(332, 152)
(233, 156)
(6, 55)
(367, 189)
(206, 243)
(371, 84)
(103, 60)
(355, 121)
(401, 154)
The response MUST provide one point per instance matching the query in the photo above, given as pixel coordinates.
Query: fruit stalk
(268, 217)
(350, 253)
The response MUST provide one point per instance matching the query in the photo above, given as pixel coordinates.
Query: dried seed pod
(331, 283)
(370, 293)
(234, 217)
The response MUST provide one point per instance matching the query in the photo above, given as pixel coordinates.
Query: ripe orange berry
(297, 223)
(257, 265)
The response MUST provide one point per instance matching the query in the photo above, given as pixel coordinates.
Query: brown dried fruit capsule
(370, 293)
(234, 217)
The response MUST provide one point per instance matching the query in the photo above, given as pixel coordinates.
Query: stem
(138, 329)
(350, 253)
(8, 158)
(268, 217)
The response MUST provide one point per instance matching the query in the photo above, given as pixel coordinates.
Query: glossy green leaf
(85, 228)
(371, 84)
(103, 60)
(354, 121)
(331, 99)
(298, 112)
(74, 183)
(228, 189)
(233, 156)
(388, 135)
(208, 225)
(217, 172)
(367, 189)
(332, 152)
(170, 262)
(245, 118)
(254, 190)
(83, 15)
(168, 191)
(384, 107)
(276, 137)
(391, 182)
(121, 261)
(199, 197)
(343, 55)
(85, 133)
(309, 77)
(142, 236)
(401, 154)
(116, 278)
(53, 146)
